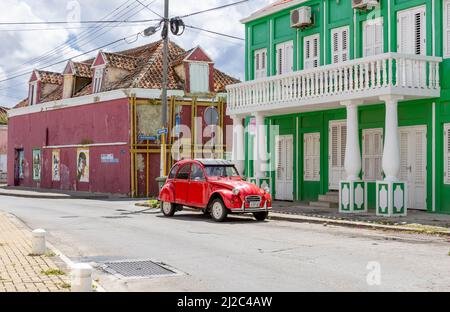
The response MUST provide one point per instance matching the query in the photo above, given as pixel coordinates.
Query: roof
(144, 65)
(272, 8)
(215, 162)
(3, 115)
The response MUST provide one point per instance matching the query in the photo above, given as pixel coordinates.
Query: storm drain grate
(138, 269)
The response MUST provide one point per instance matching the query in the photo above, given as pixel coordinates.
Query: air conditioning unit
(365, 4)
(301, 17)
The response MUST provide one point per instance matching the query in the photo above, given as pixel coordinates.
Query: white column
(391, 153)
(352, 150)
(238, 156)
(259, 148)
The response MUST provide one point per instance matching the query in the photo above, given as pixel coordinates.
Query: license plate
(254, 204)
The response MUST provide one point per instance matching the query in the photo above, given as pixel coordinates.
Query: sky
(22, 51)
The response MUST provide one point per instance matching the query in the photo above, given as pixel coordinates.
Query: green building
(347, 101)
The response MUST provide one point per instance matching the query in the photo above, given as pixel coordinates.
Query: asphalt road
(239, 255)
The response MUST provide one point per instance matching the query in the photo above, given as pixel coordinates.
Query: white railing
(357, 77)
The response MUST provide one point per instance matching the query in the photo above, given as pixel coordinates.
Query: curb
(43, 196)
(57, 252)
(354, 224)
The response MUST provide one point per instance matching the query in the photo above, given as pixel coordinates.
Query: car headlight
(236, 191)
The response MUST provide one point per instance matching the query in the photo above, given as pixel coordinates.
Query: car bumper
(244, 209)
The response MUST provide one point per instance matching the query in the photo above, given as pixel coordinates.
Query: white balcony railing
(409, 75)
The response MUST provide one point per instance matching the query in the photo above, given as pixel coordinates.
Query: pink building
(94, 127)
(3, 143)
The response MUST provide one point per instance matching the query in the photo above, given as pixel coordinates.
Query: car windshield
(221, 171)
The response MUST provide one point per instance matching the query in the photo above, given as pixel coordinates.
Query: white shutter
(311, 52)
(373, 37)
(372, 154)
(199, 77)
(404, 161)
(311, 157)
(446, 34)
(260, 63)
(285, 57)
(280, 55)
(280, 157)
(420, 172)
(340, 44)
(447, 154)
(289, 158)
(411, 25)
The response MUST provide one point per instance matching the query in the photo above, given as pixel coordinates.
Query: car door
(182, 184)
(198, 187)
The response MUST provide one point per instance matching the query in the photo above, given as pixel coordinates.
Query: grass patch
(53, 272)
(50, 254)
(154, 203)
(65, 286)
(428, 229)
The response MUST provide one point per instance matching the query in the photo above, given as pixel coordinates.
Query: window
(372, 147)
(373, 37)
(199, 77)
(447, 28)
(98, 78)
(32, 96)
(311, 157)
(260, 63)
(411, 27)
(311, 51)
(221, 171)
(285, 57)
(183, 174)
(340, 44)
(173, 172)
(447, 154)
(197, 173)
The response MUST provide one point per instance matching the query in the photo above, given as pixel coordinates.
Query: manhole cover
(138, 269)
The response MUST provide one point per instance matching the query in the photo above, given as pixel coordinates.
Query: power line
(79, 22)
(61, 28)
(68, 59)
(215, 33)
(214, 9)
(146, 6)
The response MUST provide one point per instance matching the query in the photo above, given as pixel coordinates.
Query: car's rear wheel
(261, 216)
(218, 210)
(168, 209)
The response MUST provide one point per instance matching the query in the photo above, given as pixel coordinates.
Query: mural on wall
(56, 166)
(19, 165)
(83, 165)
(36, 164)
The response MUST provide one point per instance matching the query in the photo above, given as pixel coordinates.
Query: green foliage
(154, 203)
(53, 272)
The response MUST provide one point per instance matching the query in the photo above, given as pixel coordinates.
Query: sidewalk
(20, 272)
(50, 194)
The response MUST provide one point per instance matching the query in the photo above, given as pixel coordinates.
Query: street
(238, 255)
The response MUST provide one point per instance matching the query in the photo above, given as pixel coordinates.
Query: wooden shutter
(289, 60)
(260, 63)
(411, 25)
(372, 154)
(289, 158)
(419, 32)
(404, 157)
(280, 161)
(340, 44)
(420, 172)
(279, 58)
(311, 52)
(446, 34)
(199, 77)
(447, 154)
(311, 157)
(373, 42)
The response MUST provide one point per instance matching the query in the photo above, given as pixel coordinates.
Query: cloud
(20, 52)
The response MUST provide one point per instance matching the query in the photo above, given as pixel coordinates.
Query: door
(413, 164)
(336, 155)
(411, 39)
(311, 52)
(311, 157)
(372, 154)
(284, 175)
(373, 37)
(182, 184)
(197, 188)
(285, 57)
(260, 63)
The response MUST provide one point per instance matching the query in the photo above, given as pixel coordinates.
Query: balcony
(325, 87)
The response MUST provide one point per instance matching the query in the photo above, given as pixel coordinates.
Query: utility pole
(164, 104)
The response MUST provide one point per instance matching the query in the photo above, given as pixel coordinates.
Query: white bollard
(38, 243)
(81, 277)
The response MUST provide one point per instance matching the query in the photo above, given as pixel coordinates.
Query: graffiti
(37, 164)
(83, 165)
(56, 166)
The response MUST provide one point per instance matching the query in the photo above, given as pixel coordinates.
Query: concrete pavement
(239, 255)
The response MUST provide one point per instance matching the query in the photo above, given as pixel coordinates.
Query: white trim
(325, 35)
(249, 53)
(433, 30)
(105, 60)
(389, 27)
(433, 180)
(354, 35)
(298, 189)
(86, 145)
(268, 10)
(192, 52)
(272, 50)
(446, 28)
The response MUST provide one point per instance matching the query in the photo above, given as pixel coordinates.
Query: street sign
(147, 138)
(163, 131)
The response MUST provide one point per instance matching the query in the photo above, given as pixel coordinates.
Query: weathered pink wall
(3, 139)
(104, 122)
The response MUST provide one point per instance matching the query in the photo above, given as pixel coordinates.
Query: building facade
(3, 143)
(96, 126)
(348, 97)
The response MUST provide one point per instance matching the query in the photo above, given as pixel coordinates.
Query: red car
(215, 187)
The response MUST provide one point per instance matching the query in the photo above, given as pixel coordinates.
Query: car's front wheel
(218, 210)
(261, 216)
(168, 209)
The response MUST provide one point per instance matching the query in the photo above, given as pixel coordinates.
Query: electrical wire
(79, 22)
(214, 9)
(215, 32)
(150, 9)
